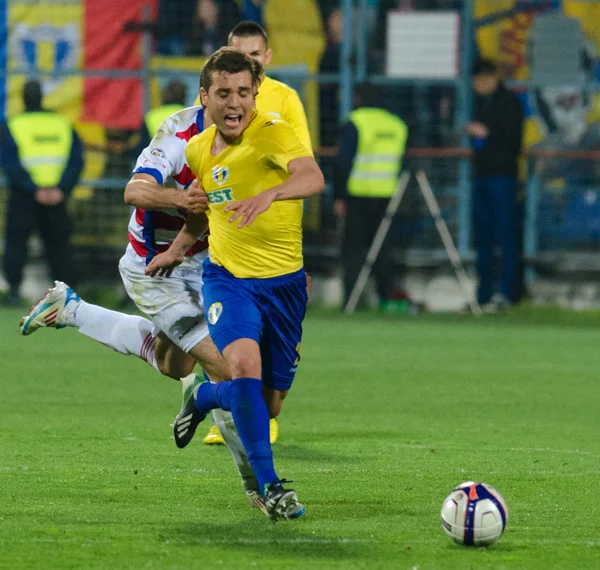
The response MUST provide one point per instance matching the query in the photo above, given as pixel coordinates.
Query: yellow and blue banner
(62, 37)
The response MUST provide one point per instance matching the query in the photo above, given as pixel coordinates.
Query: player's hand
(164, 263)
(339, 208)
(196, 199)
(477, 130)
(249, 208)
(49, 196)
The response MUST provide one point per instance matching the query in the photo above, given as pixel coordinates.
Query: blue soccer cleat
(54, 309)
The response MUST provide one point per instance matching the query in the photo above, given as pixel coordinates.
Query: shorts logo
(158, 152)
(214, 312)
(220, 174)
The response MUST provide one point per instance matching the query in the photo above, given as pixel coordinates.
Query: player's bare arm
(306, 180)
(163, 264)
(143, 191)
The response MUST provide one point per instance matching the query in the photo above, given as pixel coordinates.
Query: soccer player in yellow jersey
(255, 173)
(277, 99)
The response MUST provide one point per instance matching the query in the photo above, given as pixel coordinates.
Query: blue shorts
(269, 311)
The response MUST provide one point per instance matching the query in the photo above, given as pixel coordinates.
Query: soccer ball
(474, 514)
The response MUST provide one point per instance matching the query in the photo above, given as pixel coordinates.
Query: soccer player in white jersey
(175, 336)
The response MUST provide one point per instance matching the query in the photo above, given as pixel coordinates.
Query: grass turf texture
(386, 417)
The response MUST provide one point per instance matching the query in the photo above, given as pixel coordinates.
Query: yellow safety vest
(156, 116)
(44, 142)
(381, 144)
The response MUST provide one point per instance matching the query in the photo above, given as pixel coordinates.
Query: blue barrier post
(463, 114)
(346, 62)
(532, 202)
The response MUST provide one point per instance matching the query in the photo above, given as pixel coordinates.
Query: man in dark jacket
(42, 158)
(496, 135)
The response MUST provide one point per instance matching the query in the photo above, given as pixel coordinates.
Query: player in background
(277, 99)
(174, 337)
(255, 173)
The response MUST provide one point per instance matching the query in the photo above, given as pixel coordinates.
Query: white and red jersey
(152, 231)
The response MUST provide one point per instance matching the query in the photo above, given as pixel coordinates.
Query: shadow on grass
(264, 538)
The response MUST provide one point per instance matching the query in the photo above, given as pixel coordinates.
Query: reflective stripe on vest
(381, 144)
(155, 117)
(44, 142)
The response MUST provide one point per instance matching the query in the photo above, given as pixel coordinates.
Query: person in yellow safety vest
(279, 100)
(371, 149)
(42, 158)
(173, 100)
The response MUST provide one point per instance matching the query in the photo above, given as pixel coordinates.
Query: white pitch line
(513, 449)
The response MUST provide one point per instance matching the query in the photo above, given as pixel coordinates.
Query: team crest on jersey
(158, 152)
(220, 174)
(214, 312)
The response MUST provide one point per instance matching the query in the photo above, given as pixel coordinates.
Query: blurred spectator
(42, 158)
(173, 100)
(496, 134)
(328, 92)
(174, 25)
(371, 149)
(252, 10)
(211, 26)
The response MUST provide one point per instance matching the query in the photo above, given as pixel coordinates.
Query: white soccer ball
(474, 514)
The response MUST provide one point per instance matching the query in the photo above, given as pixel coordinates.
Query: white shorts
(174, 304)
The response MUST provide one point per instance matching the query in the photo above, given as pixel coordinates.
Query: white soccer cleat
(256, 502)
(51, 310)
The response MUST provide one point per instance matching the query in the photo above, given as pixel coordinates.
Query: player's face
(230, 101)
(485, 84)
(253, 46)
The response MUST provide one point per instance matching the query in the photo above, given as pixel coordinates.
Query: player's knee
(244, 365)
(274, 401)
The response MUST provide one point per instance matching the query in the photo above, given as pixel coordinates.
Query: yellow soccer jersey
(257, 161)
(283, 102)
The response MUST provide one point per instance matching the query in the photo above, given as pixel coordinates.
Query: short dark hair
(229, 60)
(248, 29)
(483, 66)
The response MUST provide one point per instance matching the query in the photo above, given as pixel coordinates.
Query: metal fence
(561, 185)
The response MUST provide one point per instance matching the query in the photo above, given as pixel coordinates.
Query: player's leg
(19, 225)
(55, 228)
(179, 314)
(127, 334)
(483, 231)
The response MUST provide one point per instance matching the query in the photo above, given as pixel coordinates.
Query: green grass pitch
(386, 416)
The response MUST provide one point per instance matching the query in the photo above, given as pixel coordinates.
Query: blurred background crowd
(105, 65)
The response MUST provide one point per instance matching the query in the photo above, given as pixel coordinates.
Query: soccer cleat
(188, 383)
(273, 430)
(51, 310)
(281, 503)
(213, 437)
(256, 502)
(186, 422)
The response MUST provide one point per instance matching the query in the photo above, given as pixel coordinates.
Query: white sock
(226, 425)
(127, 334)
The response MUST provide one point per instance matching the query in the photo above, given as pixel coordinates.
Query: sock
(212, 395)
(251, 418)
(226, 425)
(127, 334)
(243, 397)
